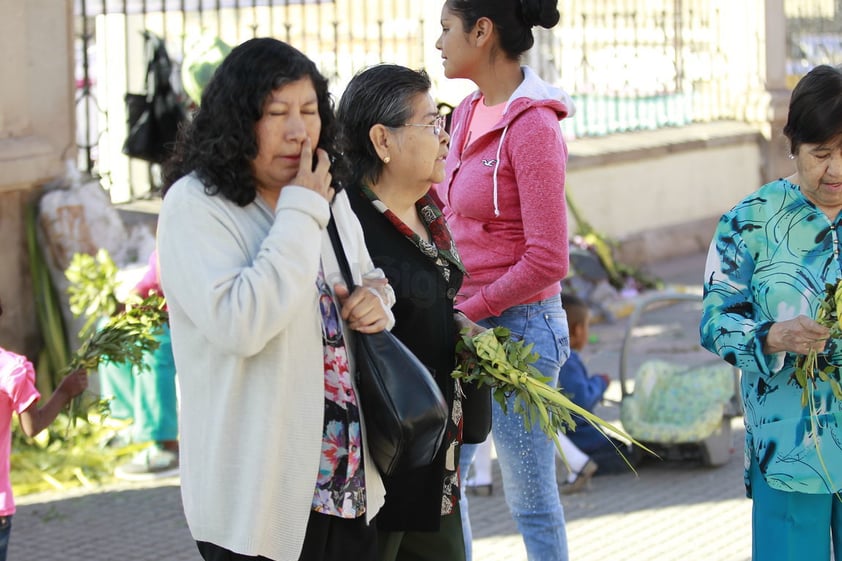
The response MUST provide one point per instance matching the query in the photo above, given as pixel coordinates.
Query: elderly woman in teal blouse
(769, 262)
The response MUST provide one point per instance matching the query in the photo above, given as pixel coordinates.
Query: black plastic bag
(153, 117)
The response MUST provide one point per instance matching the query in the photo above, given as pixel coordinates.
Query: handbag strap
(336, 242)
(151, 82)
(158, 66)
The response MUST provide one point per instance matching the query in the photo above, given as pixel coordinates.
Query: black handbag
(476, 412)
(153, 117)
(405, 411)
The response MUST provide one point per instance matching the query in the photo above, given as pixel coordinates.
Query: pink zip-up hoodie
(503, 197)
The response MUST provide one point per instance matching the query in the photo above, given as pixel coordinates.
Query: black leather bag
(153, 117)
(405, 412)
(476, 412)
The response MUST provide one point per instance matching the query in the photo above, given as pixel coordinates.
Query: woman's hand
(317, 179)
(376, 280)
(462, 322)
(799, 335)
(363, 310)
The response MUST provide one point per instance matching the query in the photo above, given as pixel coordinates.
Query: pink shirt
(17, 394)
(151, 281)
(483, 119)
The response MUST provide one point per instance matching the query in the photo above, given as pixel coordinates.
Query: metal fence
(341, 36)
(814, 35)
(629, 64)
(646, 65)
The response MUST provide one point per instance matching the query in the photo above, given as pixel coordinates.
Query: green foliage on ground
(64, 457)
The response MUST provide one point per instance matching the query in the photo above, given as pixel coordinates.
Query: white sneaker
(151, 463)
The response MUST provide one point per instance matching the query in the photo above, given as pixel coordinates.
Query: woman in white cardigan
(273, 460)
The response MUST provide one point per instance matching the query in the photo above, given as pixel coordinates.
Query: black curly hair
(220, 142)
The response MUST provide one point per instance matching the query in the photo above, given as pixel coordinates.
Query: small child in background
(587, 391)
(18, 394)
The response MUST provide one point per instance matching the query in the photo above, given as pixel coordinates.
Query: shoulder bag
(404, 410)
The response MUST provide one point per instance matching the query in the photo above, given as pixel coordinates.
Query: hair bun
(540, 12)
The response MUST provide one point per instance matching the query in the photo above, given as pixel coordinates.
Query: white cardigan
(246, 335)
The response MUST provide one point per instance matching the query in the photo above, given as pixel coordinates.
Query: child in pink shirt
(18, 394)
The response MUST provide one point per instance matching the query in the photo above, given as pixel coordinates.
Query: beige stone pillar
(776, 164)
(36, 135)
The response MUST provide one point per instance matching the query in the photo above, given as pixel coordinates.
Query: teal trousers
(793, 526)
(145, 393)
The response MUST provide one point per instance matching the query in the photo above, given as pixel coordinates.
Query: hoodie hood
(534, 91)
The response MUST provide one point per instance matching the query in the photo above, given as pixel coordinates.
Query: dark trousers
(447, 544)
(328, 538)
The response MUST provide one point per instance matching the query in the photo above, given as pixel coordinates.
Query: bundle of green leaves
(493, 358)
(129, 330)
(809, 368)
(56, 460)
(125, 337)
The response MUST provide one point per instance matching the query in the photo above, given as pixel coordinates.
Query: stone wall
(659, 194)
(36, 134)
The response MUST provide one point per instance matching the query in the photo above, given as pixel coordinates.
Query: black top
(424, 323)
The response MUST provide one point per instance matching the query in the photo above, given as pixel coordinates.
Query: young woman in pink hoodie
(503, 196)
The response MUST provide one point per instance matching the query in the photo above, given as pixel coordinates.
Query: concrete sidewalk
(668, 511)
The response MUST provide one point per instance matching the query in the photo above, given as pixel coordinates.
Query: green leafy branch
(492, 358)
(808, 368)
(53, 460)
(56, 349)
(129, 333)
(126, 337)
(604, 247)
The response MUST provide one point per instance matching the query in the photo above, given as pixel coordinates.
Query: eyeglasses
(438, 125)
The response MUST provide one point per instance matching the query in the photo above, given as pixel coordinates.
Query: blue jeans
(5, 531)
(527, 456)
(466, 458)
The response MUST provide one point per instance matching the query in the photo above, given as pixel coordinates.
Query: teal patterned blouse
(769, 261)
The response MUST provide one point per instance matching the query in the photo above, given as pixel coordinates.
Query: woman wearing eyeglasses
(394, 147)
